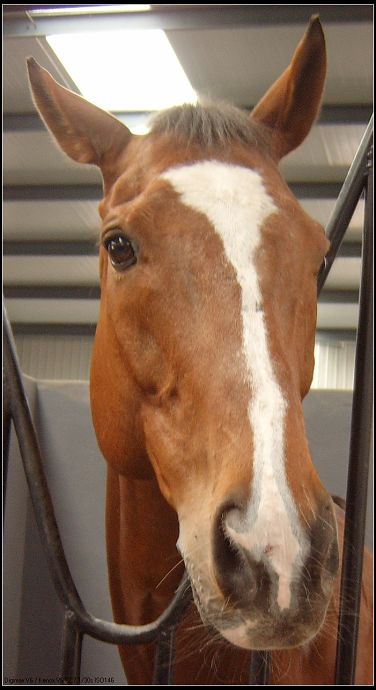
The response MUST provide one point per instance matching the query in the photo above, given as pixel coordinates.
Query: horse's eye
(121, 252)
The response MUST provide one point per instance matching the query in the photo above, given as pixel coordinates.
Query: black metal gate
(78, 621)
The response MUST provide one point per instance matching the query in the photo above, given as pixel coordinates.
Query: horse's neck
(147, 535)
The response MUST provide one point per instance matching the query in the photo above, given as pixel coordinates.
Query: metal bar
(259, 668)
(139, 634)
(164, 657)
(346, 203)
(71, 651)
(7, 425)
(360, 448)
(193, 17)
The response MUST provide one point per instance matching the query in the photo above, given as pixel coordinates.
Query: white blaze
(236, 203)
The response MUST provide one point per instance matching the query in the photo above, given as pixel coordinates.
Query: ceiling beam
(49, 248)
(57, 329)
(348, 114)
(302, 190)
(26, 24)
(91, 192)
(333, 336)
(339, 296)
(82, 248)
(315, 190)
(52, 292)
(91, 292)
(330, 114)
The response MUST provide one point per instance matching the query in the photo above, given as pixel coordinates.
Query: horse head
(204, 348)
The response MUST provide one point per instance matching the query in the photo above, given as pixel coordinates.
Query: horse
(203, 353)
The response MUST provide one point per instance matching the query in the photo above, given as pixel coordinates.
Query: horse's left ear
(290, 106)
(85, 133)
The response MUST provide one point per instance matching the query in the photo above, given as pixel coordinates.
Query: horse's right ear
(84, 132)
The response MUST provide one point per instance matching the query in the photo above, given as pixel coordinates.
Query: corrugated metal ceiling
(50, 218)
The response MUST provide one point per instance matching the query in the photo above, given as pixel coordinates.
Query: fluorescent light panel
(89, 9)
(124, 70)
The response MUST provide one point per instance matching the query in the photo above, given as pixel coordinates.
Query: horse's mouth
(261, 632)
(269, 636)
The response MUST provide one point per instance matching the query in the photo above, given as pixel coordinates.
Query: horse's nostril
(232, 569)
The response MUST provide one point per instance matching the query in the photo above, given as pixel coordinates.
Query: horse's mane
(209, 123)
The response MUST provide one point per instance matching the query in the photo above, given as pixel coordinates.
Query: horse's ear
(84, 132)
(290, 106)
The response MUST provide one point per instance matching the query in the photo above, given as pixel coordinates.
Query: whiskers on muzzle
(246, 594)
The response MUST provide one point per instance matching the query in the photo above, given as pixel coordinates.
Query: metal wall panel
(58, 358)
(334, 364)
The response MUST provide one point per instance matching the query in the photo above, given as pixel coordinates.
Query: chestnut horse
(203, 353)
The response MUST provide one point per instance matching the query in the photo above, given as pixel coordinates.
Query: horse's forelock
(210, 123)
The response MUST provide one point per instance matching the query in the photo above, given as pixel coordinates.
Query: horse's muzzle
(273, 608)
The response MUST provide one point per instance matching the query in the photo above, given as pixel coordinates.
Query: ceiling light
(124, 70)
(88, 9)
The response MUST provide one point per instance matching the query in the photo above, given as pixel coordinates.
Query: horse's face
(214, 326)
(203, 352)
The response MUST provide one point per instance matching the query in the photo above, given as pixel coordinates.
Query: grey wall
(76, 477)
(328, 419)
